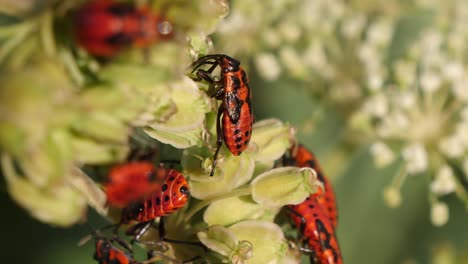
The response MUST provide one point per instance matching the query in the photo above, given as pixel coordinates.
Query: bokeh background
(369, 230)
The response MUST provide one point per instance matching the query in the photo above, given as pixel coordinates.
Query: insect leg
(219, 138)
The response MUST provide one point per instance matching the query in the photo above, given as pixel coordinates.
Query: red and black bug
(146, 192)
(107, 253)
(131, 182)
(105, 27)
(305, 158)
(316, 217)
(235, 118)
(172, 195)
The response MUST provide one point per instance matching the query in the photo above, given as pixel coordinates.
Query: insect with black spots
(316, 217)
(105, 27)
(235, 118)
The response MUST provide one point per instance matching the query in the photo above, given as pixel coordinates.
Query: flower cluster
(62, 110)
(420, 116)
(398, 76)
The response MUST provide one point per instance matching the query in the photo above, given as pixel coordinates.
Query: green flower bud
(164, 55)
(94, 195)
(231, 172)
(120, 101)
(103, 127)
(282, 186)
(445, 252)
(266, 238)
(48, 161)
(12, 138)
(222, 241)
(178, 140)
(143, 78)
(219, 239)
(244, 207)
(58, 203)
(141, 94)
(93, 152)
(32, 100)
(192, 105)
(200, 44)
(198, 16)
(272, 138)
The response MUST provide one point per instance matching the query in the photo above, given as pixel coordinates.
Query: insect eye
(226, 70)
(184, 190)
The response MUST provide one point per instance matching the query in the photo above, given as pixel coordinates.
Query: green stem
(7, 166)
(47, 34)
(72, 67)
(400, 178)
(202, 204)
(13, 29)
(20, 35)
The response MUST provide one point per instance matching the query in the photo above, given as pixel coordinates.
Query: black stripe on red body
(172, 195)
(235, 116)
(105, 27)
(106, 253)
(316, 217)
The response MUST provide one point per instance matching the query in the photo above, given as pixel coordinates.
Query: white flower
(268, 66)
(369, 54)
(431, 41)
(380, 33)
(405, 100)
(464, 113)
(444, 182)
(290, 32)
(393, 124)
(271, 38)
(375, 80)
(352, 27)
(382, 154)
(415, 156)
(292, 61)
(460, 89)
(376, 106)
(453, 71)
(461, 133)
(430, 81)
(314, 55)
(439, 214)
(452, 146)
(392, 197)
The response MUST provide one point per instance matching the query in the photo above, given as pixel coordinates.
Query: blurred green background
(369, 232)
